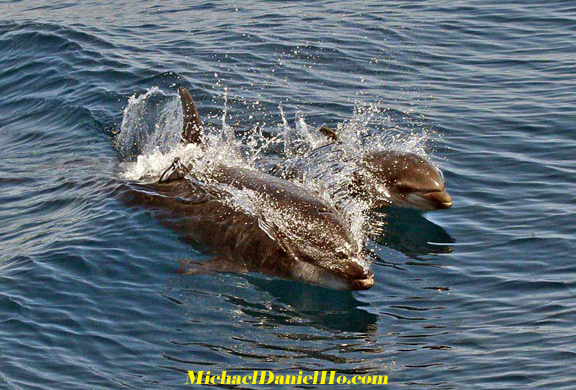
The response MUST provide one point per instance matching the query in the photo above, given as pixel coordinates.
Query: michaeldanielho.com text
(269, 378)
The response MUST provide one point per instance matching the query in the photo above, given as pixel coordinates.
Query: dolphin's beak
(344, 275)
(440, 199)
(363, 284)
(359, 278)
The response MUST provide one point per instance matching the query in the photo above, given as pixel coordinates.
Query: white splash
(152, 122)
(150, 135)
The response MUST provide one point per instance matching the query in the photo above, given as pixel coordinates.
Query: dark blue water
(479, 296)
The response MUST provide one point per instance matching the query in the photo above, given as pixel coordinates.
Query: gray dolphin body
(385, 178)
(295, 236)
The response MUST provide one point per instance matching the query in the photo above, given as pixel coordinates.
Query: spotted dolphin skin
(295, 236)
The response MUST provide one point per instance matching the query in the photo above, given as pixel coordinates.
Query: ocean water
(478, 296)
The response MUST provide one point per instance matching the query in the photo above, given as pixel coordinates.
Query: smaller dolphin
(386, 178)
(390, 178)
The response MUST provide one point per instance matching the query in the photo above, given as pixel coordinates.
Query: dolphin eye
(404, 187)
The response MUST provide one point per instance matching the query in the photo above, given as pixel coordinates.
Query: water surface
(479, 296)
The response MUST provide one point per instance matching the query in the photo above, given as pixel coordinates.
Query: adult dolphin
(289, 234)
(383, 178)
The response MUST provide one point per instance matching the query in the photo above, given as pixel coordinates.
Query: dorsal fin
(192, 129)
(330, 133)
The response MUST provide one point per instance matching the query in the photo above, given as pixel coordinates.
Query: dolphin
(293, 236)
(386, 178)
(392, 178)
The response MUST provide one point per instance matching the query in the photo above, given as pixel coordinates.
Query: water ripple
(480, 296)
